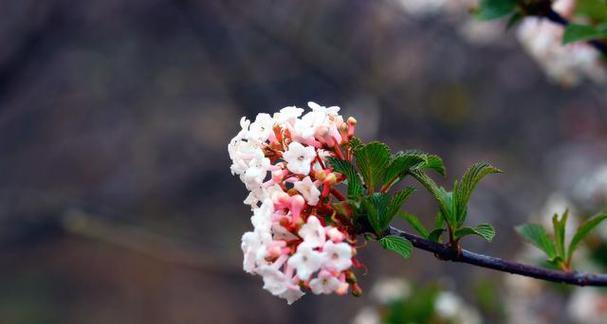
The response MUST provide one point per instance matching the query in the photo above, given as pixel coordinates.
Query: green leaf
(397, 201)
(372, 160)
(433, 162)
(381, 208)
(376, 206)
(463, 190)
(583, 231)
(575, 33)
(400, 164)
(596, 10)
(397, 244)
(493, 9)
(537, 236)
(443, 197)
(355, 143)
(355, 185)
(559, 233)
(485, 231)
(415, 223)
(435, 234)
(430, 162)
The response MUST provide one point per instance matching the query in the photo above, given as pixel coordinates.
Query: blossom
(298, 242)
(325, 283)
(337, 256)
(288, 115)
(306, 261)
(312, 232)
(566, 64)
(261, 129)
(308, 190)
(299, 158)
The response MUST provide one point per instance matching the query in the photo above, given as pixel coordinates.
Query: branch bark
(447, 253)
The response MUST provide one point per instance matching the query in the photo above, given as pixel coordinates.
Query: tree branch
(447, 253)
(555, 17)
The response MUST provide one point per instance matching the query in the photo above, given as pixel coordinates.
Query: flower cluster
(566, 64)
(299, 242)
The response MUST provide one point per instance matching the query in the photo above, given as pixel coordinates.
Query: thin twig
(447, 253)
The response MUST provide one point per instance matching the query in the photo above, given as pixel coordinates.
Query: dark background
(116, 201)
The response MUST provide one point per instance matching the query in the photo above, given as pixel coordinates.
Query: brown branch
(447, 253)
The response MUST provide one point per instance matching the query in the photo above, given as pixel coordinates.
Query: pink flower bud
(296, 203)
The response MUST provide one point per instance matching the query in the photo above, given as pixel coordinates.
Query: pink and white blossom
(337, 256)
(297, 245)
(299, 158)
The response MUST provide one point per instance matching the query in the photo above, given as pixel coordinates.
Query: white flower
(322, 109)
(256, 173)
(262, 216)
(334, 234)
(292, 294)
(288, 115)
(241, 153)
(254, 249)
(306, 261)
(274, 280)
(337, 256)
(299, 158)
(312, 232)
(261, 129)
(566, 64)
(325, 283)
(307, 189)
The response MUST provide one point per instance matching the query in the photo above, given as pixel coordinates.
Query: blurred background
(116, 200)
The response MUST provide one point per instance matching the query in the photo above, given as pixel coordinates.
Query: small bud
(350, 277)
(330, 179)
(356, 290)
(319, 174)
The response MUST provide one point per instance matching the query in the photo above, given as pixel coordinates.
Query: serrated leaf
(443, 197)
(559, 233)
(493, 9)
(400, 164)
(463, 190)
(396, 202)
(485, 231)
(431, 162)
(397, 244)
(372, 160)
(583, 231)
(415, 223)
(381, 208)
(435, 234)
(376, 206)
(537, 236)
(355, 185)
(575, 33)
(355, 143)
